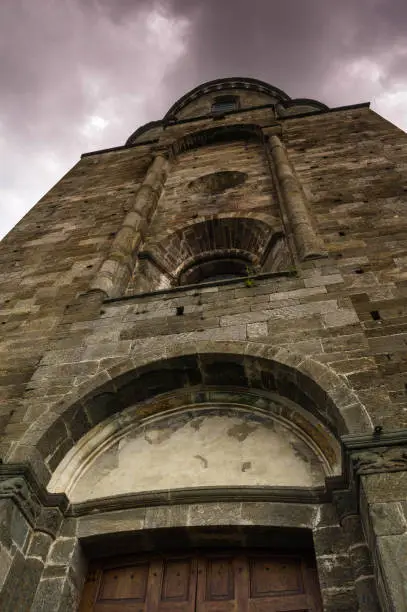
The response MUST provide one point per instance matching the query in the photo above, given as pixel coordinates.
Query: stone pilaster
(29, 521)
(114, 274)
(307, 242)
(358, 550)
(384, 511)
(379, 465)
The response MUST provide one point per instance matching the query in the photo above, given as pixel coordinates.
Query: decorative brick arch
(312, 385)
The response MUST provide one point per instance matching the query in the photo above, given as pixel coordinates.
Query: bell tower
(204, 366)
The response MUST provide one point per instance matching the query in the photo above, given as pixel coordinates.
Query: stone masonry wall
(344, 314)
(51, 256)
(357, 202)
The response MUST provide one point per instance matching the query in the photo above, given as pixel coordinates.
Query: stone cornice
(200, 495)
(144, 128)
(376, 439)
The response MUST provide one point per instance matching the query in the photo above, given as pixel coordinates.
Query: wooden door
(256, 582)
(145, 585)
(204, 582)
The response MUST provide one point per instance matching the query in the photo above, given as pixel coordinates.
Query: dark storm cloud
(83, 74)
(294, 44)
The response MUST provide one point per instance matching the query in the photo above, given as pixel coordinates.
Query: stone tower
(204, 367)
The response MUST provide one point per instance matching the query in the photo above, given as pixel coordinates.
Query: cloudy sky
(79, 75)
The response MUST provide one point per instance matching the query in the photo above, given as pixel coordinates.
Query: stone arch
(311, 384)
(220, 84)
(249, 239)
(266, 441)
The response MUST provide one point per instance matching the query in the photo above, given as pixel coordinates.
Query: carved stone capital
(18, 490)
(382, 459)
(41, 509)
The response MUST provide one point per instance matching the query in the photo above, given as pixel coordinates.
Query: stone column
(115, 272)
(306, 240)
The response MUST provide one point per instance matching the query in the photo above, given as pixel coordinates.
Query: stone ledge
(201, 495)
(200, 286)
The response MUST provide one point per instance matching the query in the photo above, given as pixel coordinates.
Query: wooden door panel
(279, 584)
(123, 588)
(220, 587)
(212, 582)
(219, 581)
(271, 577)
(178, 585)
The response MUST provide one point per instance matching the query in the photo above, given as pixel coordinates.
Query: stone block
(166, 516)
(6, 560)
(61, 551)
(340, 318)
(21, 583)
(340, 599)
(387, 518)
(321, 281)
(40, 544)
(111, 522)
(385, 488)
(279, 514)
(56, 594)
(257, 330)
(393, 560)
(330, 540)
(335, 571)
(212, 514)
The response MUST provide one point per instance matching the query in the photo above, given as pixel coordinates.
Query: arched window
(216, 249)
(225, 104)
(215, 269)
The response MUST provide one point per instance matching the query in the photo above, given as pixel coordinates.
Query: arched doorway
(266, 401)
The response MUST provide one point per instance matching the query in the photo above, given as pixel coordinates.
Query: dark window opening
(215, 270)
(225, 104)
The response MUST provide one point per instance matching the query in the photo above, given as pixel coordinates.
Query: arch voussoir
(140, 377)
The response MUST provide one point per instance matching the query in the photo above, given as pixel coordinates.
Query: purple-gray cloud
(78, 75)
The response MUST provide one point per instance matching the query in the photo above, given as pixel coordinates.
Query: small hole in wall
(359, 271)
(90, 266)
(405, 388)
(102, 311)
(179, 311)
(341, 233)
(375, 314)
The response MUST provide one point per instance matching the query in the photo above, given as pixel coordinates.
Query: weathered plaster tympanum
(204, 347)
(194, 446)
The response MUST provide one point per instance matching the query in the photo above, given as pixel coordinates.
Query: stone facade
(249, 267)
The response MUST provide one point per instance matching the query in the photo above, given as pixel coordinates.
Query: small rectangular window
(225, 104)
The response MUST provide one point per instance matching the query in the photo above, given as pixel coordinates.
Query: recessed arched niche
(217, 182)
(226, 440)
